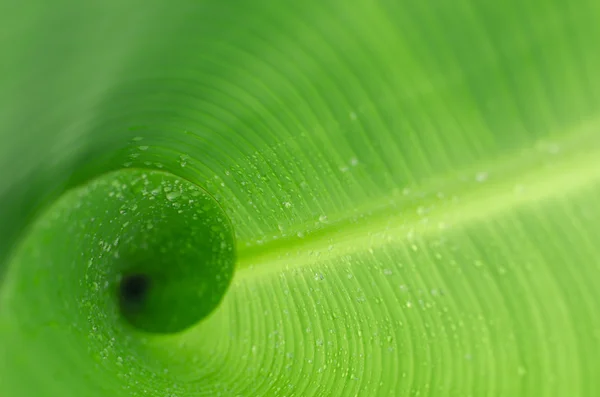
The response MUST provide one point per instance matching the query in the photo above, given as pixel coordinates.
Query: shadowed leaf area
(311, 198)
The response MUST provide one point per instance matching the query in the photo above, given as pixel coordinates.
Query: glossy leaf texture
(313, 198)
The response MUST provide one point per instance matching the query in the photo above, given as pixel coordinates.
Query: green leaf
(316, 198)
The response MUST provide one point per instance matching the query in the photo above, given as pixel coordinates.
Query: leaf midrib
(523, 177)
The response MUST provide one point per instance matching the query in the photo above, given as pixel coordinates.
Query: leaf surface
(412, 187)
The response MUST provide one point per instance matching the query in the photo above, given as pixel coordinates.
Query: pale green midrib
(528, 176)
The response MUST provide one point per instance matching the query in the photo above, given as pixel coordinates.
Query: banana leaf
(299, 198)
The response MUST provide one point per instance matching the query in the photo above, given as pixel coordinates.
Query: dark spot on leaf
(134, 289)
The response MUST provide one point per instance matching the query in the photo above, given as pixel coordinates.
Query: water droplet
(548, 147)
(481, 176)
(183, 160)
(519, 189)
(173, 195)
